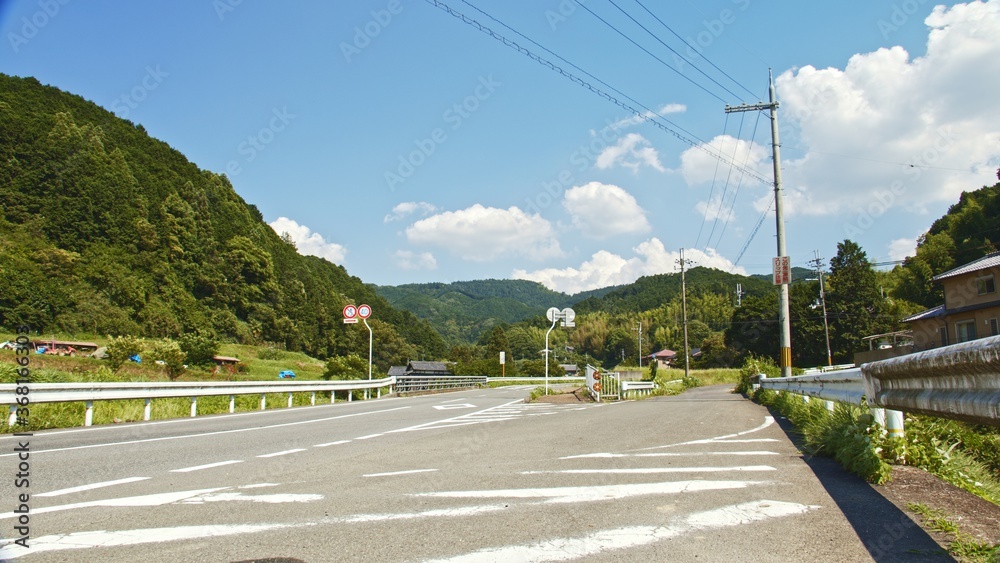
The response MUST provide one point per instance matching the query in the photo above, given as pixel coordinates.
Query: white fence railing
(961, 382)
(87, 393)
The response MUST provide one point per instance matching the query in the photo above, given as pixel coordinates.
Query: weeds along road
(465, 476)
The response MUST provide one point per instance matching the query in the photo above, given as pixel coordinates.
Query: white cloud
(408, 260)
(606, 269)
(637, 119)
(408, 208)
(308, 242)
(901, 248)
(701, 165)
(888, 112)
(631, 151)
(481, 234)
(602, 210)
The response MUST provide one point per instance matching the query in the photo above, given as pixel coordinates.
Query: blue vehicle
(286, 374)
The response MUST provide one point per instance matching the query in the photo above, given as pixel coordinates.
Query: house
(223, 361)
(571, 369)
(427, 368)
(664, 358)
(396, 371)
(970, 310)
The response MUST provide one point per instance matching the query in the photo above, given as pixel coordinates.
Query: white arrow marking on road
(450, 407)
(562, 549)
(91, 487)
(768, 421)
(144, 500)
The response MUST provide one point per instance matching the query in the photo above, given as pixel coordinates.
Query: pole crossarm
(751, 107)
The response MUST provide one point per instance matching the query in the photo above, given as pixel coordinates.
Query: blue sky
(392, 138)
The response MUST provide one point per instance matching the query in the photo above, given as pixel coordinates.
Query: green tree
(854, 301)
(122, 348)
(351, 366)
(198, 348)
(173, 358)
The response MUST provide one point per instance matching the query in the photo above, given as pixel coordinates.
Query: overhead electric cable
(725, 189)
(711, 191)
(674, 51)
(646, 116)
(650, 53)
(702, 55)
(739, 183)
(753, 234)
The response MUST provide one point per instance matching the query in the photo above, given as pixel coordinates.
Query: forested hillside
(105, 230)
(462, 311)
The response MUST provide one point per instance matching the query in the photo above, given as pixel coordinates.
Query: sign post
(351, 316)
(554, 314)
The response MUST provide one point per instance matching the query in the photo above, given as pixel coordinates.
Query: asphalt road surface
(464, 476)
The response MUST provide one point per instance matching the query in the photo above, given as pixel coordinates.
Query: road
(464, 476)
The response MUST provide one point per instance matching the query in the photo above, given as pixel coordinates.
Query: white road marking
(236, 496)
(652, 470)
(202, 435)
(286, 452)
(605, 541)
(101, 538)
(666, 454)
(369, 437)
(768, 421)
(599, 492)
(91, 487)
(337, 443)
(451, 407)
(407, 472)
(144, 500)
(206, 466)
(445, 512)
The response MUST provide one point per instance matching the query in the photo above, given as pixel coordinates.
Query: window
(986, 285)
(944, 335)
(994, 329)
(965, 331)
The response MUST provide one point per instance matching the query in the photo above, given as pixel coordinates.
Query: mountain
(462, 311)
(798, 274)
(106, 230)
(650, 292)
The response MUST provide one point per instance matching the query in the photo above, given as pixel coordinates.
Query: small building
(572, 370)
(396, 371)
(970, 310)
(664, 358)
(223, 361)
(427, 368)
(64, 347)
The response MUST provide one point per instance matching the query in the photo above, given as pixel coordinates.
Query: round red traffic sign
(350, 312)
(364, 311)
(597, 387)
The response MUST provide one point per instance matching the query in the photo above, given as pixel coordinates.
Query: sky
(400, 140)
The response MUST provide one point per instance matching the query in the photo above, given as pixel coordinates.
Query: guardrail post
(263, 401)
(879, 415)
(378, 393)
(894, 423)
(194, 407)
(805, 399)
(147, 409)
(232, 404)
(830, 406)
(367, 391)
(312, 399)
(12, 419)
(350, 395)
(88, 418)
(289, 400)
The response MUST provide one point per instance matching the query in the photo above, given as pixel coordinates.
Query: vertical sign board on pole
(782, 270)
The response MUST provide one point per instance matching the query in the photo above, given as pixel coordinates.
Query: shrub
(122, 348)
(198, 349)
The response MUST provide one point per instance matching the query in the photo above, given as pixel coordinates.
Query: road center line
(206, 466)
(186, 436)
(392, 473)
(286, 452)
(91, 487)
(337, 443)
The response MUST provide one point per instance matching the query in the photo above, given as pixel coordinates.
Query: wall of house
(962, 291)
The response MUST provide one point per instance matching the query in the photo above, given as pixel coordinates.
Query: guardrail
(87, 393)
(961, 382)
(631, 389)
(417, 383)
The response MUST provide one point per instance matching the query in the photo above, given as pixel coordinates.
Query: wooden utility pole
(684, 312)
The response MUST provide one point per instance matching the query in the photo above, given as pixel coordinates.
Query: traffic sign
(364, 311)
(350, 312)
(552, 313)
(782, 270)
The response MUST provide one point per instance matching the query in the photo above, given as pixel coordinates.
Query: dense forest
(107, 231)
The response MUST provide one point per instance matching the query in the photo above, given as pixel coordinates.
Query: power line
(692, 47)
(753, 233)
(647, 116)
(711, 191)
(672, 50)
(739, 183)
(725, 188)
(650, 53)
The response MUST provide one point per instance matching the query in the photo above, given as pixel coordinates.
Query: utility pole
(739, 295)
(684, 312)
(640, 345)
(817, 263)
(785, 357)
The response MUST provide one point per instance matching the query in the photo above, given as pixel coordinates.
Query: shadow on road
(887, 532)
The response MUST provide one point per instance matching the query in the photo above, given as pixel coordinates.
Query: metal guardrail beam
(846, 386)
(414, 383)
(961, 381)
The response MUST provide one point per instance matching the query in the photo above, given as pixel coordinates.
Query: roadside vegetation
(965, 455)
(960, 544)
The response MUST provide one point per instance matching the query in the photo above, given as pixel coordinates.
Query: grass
(961, 545)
